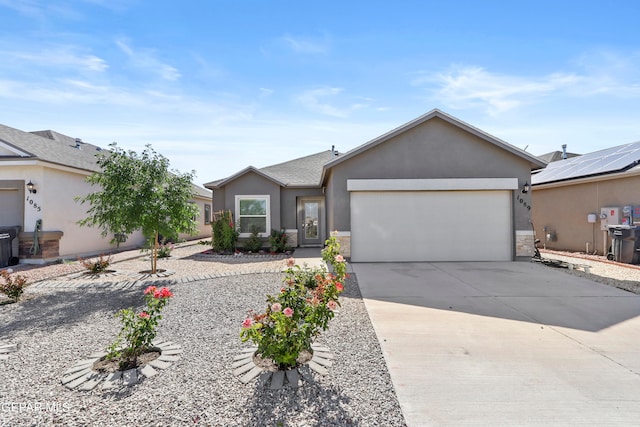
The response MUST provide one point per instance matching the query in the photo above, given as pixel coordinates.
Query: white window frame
(268, 214)
(207, 213)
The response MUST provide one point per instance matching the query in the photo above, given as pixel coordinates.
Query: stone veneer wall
(292, 237)
(524, 243)
(344, 238)
(49, 246)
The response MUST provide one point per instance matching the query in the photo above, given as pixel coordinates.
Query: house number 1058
(34, 204)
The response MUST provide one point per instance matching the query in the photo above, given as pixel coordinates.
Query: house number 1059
(34, 204)
(523, 202)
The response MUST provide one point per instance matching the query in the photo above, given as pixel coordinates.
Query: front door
(311, 221)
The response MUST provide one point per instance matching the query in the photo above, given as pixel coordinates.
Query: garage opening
(431, 225)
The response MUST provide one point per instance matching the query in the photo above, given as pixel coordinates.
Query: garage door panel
(431, 226)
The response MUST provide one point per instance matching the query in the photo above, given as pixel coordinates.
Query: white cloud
(146, 60)
(46, 9)
(306, 45)
(462, 87)
(56, 56)
(315, 100)
(265, 92)
(474, 87)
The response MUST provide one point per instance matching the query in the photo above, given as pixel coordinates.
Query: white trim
(46, 164)
(633, 172)
(524, 233)
(451, 184)
(267, 197)
(15, 150)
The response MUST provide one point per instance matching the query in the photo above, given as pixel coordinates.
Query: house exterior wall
(288, 204)
(203, 228)
(434, 149)
(562, 210)
(252, 184)
(56, 194)
(54, 203)
(219, 200)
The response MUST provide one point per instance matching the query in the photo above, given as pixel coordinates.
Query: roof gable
(250, 169)
(534, 161)
(302, 172)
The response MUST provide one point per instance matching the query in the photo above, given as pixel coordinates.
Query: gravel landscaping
(54, 328)
(618, 275)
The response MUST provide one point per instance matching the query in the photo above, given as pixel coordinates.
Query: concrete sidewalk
(513, 343)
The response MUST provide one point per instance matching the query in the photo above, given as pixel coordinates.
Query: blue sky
(218, 85)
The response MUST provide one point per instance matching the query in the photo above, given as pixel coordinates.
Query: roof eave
(214, 185)
(634, 171)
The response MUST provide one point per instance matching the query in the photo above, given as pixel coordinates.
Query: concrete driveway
(505, 344)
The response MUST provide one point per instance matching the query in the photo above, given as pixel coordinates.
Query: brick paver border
(247, 371)
(82, 377)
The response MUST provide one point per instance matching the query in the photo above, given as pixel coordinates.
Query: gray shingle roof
(302, 172)
(50, 146)
(554, 156)
(54, 147)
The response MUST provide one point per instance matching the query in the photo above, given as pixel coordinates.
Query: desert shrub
(278, 241)
(254, 242)
(13, 286)
(225, 235)
(96, 266)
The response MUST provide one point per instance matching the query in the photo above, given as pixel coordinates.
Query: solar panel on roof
(610, 160)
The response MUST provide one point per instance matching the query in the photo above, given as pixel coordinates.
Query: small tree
(138, 192)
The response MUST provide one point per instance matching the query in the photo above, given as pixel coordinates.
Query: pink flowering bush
(138, 330)
(299, 313)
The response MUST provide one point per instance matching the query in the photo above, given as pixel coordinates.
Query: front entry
(311, 221)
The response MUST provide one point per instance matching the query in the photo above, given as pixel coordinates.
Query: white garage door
(431, 226)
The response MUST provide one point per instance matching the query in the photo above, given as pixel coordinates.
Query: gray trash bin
(5, 249)
(625, 243)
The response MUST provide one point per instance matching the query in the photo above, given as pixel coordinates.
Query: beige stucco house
(56, 165)
(434, 189)
(576, 198)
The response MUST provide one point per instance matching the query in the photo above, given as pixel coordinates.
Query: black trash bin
(5, 249)
(625, 243)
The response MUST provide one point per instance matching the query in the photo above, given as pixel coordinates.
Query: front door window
(311, 220)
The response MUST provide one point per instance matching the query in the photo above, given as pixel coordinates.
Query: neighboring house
(570, 195)
(57, 166)
(554, 156)
(434, 189)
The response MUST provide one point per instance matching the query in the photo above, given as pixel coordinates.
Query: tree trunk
(154, 261)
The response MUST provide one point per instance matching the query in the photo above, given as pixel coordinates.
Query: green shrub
(13, 287)
(298, 314)
(225, 235)
(254, 242)
(97, 266)
(278, 241)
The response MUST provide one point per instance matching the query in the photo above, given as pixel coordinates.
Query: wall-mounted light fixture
(525, 188)
(31, 187)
